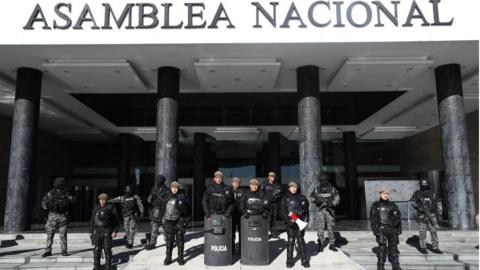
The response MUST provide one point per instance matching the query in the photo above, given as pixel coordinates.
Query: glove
(246, 215)
(91, 239)
(265, 215)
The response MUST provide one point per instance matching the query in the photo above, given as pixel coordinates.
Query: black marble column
(167, 125)
(199, 173)
(350, 165)
(124, 178)
(274, 155)
(455, 146)
(23, 146)
(309, 131)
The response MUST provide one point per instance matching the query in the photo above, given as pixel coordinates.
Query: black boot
(394, 261)
(380, 266)
(437, 251)
(150, 246)
(305, 263)
(333, 248)
(64, 253)
(180, 259)
(423, 250)
(320, 245)
(290, 257)
(46, 254)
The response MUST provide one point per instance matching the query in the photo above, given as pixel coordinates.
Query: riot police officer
(428, 207)
(274, 192)
(294, 206)
(236, 214)
(254, 201)
(103, 227)
(175, 222)
(385, 220)
(132, 210)
(326, 197)
(218, 198)
(57, 202)
(156, 199)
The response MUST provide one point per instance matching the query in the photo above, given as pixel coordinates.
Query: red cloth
(293, 216)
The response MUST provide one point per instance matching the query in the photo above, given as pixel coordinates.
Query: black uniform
(218, 199)
(236, 215)
(175, 223)
(297, 204)
(274, 192)
(385, 220)
(156, 199)
(103, 223)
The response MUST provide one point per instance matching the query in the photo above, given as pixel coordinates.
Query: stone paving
(23, 251)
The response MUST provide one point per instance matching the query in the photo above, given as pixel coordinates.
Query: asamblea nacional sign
(235, 21)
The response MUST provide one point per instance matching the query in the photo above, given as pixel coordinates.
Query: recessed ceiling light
(66, 71)
(211, 70)
(409, 69)
(214, 87)
(263, 70)
(323, 68)
(344, 84)
(237, 79)
(388, 85)
(117, 71)
(131, 87)
(464, 67)
(259, 86)
(358, 69)
(184, 69)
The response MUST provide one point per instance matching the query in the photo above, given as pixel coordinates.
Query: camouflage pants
(156, 229)
(56, 221)
(432, 227)
(325, 218)
(130, 225)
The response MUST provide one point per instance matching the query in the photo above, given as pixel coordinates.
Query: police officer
(103, 227)
(175, 222)
(326, 197)
(295, 205)
(236, 214)
(254, 201)
(385, 220)
(156, 199)
(218, 198)
(274, 192)
(57, 202)
(132, 210)
(428, 207)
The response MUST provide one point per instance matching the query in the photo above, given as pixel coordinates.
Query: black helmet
(424, 183)
(128, 190)
(323, 177)
(160, 180)
(59, 182)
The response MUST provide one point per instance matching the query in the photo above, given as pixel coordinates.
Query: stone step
(60, 266)
(405, 257)
(419, 265)
(58, 259)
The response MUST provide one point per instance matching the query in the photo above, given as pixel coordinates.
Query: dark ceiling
(238, 109)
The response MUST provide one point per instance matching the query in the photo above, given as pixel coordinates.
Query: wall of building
(423, 152)
(54, 158)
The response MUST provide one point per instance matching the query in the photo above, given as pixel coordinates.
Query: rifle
(426, 211)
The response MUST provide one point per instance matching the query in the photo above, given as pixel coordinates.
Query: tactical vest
(254, 205)
(59, 202)
(104, 217)
(172, 211)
